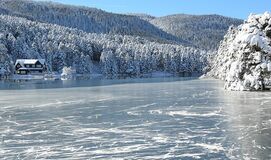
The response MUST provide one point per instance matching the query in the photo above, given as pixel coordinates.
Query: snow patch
(211, 147)
(186, 113)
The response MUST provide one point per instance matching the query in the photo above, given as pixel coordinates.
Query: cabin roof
(22, 62)
(23, 68)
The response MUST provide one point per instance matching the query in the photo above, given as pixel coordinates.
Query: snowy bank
(244, 56)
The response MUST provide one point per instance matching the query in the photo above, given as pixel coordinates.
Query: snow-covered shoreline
(58, 76)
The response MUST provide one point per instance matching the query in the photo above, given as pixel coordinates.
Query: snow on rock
(244, 56)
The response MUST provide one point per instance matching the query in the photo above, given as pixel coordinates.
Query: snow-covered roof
(22, 62)
(23, 68)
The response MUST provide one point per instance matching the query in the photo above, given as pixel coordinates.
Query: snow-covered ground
(167, 118)
(26, 77)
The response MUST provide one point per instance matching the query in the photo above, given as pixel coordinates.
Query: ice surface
(139, 119)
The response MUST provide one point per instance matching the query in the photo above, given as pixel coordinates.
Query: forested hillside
(86, 38)
(203, 32)
(116, 54)
(90, 20)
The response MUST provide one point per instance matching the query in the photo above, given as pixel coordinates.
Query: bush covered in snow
(68, 73)
(244, 57)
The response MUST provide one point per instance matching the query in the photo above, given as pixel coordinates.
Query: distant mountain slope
(143, 16)
(203, 31)
(90, 20)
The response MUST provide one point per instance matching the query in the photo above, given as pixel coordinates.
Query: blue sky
(232, 8)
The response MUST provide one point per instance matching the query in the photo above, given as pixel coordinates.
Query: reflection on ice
(249, 114)
(185, 119)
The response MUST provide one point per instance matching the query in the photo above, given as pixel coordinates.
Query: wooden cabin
(30, 66)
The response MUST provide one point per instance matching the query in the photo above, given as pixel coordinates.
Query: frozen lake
(133, 119)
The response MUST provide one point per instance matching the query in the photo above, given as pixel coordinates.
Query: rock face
(244, 56)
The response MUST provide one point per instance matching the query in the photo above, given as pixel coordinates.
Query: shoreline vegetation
(58, 76)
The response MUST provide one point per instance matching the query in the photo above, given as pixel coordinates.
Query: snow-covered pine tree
(244, 57)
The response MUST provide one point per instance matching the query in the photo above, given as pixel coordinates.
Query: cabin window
(27, 66)
(96, 56)
(33, 65)
(23, 72)
(18, 66)
(39, 66)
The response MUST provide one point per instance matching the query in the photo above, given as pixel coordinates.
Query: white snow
(269, 66)
(29, 61)
(211, 147)
(192, 114)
